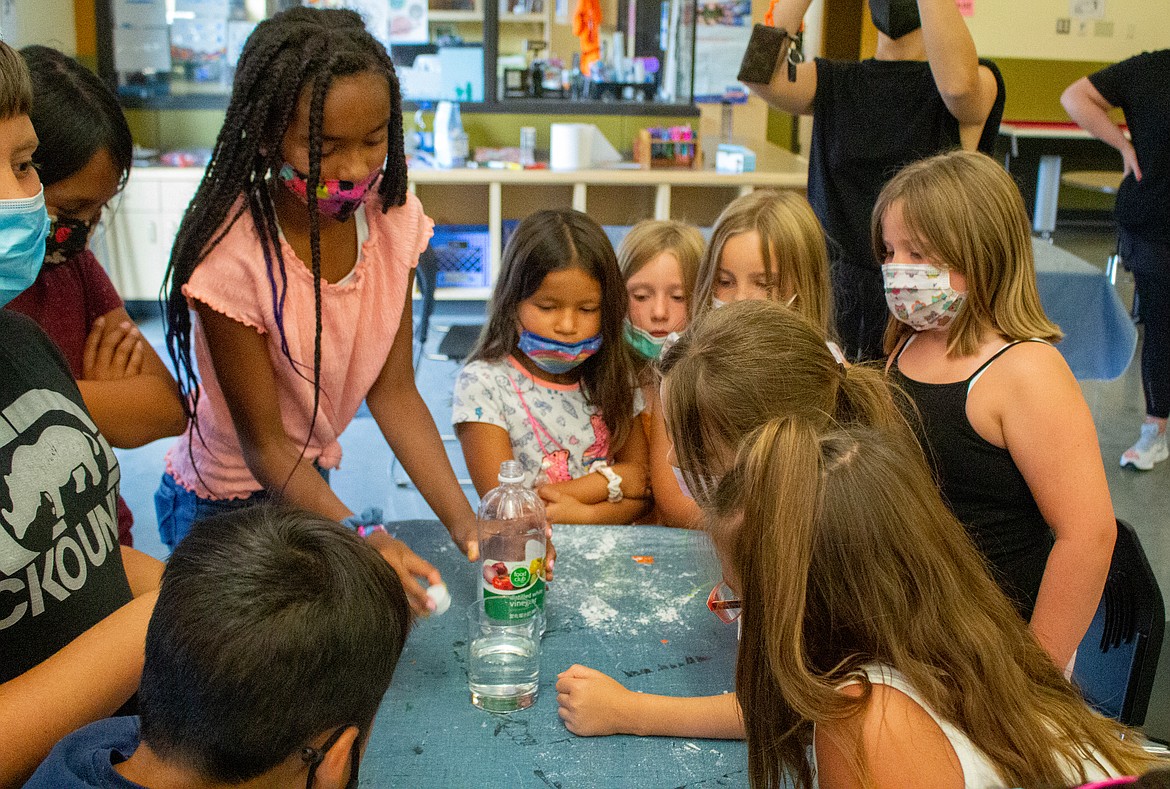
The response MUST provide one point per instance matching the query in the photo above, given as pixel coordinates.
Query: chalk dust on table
(596, 611)
(604, 546)
(612, 581)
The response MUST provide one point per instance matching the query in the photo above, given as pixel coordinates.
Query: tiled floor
(1142, 498)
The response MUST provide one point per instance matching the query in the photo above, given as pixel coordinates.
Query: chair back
(1118, 656)
(427, 275)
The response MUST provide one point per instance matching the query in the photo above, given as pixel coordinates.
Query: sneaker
(1149, 449)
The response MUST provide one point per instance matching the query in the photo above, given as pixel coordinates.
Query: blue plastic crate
(462, 252)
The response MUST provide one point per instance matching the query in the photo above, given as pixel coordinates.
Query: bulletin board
(1078, 30)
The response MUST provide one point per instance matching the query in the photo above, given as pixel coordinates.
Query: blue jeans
(178, 509)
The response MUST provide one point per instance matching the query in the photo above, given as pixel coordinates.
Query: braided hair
(295, 50)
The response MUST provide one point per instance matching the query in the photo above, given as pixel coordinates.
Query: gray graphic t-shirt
(60, 564)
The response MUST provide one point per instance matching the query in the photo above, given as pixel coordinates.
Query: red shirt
(65, 301)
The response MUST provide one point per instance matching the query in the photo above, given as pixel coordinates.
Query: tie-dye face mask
(336, 199)
(556, 357)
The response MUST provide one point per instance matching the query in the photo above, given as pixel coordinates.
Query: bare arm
(410, 431)
(593, 704)
(1049, 432)
(239, 356)
(901, 745)
(87, 680)
(564, 508)
(968, 90)
(1085, 105)
(676, 508)
(143, 572)
(484, 447)
(629, 464)
(133, 400)
(792, 97)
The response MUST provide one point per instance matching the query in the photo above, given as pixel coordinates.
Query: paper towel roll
(571, 146)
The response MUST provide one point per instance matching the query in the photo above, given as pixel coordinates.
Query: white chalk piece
(440, 597)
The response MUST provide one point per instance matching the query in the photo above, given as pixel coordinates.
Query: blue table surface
(1099, 336)
(645, 624)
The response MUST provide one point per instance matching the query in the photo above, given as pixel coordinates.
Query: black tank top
(982, 485)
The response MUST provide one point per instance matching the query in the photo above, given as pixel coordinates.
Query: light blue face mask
(24, 226)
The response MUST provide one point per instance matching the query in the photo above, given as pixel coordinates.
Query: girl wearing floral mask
(1001, 415)
(551, 383)
(296, 259)
(83, 160)
(659, 260)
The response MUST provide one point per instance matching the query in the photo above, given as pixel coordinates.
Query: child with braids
(296, 258)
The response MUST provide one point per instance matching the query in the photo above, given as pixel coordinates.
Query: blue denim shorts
(178, 509)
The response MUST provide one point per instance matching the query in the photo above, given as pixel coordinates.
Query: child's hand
(112, 352)
(410, 567)
(550, 555)
(561, 507)
(465, 537)
(590, 703)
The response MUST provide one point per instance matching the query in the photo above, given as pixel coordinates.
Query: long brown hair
(752, 361)
(844, 555)
(792, 244)
(967, 213)
(554, 240)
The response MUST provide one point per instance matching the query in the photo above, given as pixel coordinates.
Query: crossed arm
(126, 387)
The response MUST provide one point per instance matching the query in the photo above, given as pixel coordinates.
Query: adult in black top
(1138, 87)
(924, 92)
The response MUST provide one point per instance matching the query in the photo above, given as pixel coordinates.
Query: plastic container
(451, 145)
(462, 254)
(512, 544)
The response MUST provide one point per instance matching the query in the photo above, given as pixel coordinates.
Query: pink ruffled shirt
(360, 318)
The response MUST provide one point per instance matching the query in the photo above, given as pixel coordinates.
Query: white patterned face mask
(921, 296)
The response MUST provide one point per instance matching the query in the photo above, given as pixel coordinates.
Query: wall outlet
(1063, 26)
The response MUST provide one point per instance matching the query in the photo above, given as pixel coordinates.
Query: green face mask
(642, 341)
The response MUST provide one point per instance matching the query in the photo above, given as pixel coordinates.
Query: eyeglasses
(723, 603)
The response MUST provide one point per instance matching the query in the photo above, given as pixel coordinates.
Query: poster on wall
(199, 39)
(8, 30)
(722, 30)
(389, 21)
(141, 40)
(407, 23)
(1087, 9)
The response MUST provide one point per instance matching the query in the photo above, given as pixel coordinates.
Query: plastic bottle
(451, 147)
(512, 546)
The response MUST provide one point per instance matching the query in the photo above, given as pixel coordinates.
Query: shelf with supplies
(142, 222)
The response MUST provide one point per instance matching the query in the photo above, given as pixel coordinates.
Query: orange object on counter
(587, 27)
